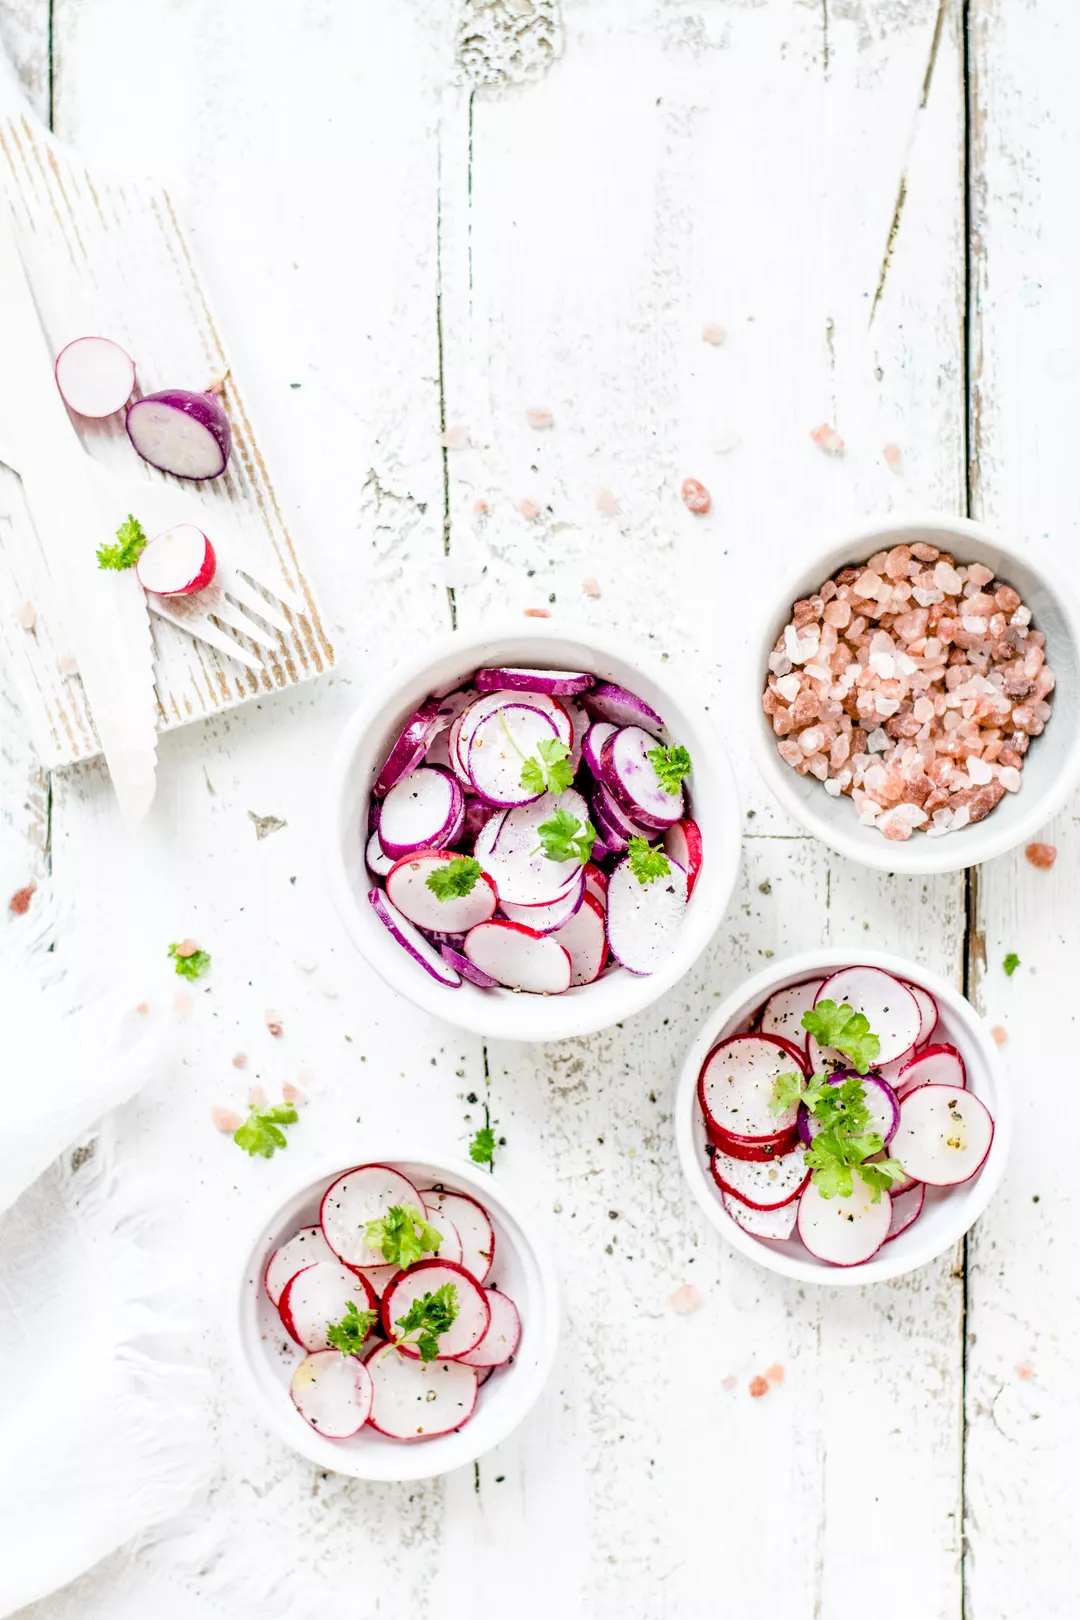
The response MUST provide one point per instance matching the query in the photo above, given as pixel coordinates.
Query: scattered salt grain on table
(1042, 855)
(713, 334)
(538, 613)
(480, 507)
(257, 1098)
(758, 1387)
(226, 1119)
(19, 904)
(685, 1300)
(605, 502)
(182, 1003)
(143, 1008)
(775, 1373)
(528, 509)
(891, 454)
(292, 1094)
(456, 437)
(590, 586)
(239, 1060)
(696, 497)
(729, 1382)
(538, 417)
(67, 664)
(826, 438)
(27, 616)
(999, 1034)
(272, 1021)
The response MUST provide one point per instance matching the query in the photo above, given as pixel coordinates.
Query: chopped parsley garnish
(261, 1132)
(648, 861)
(563, 838)
(549, 770)
(482, 1146)
(428, 1318)
(843, 1030)
(670, 765)
(404, 1235)
(349, 1334)
(1010, 964)
(190, 965)
(843, 1146)
(452, 880)
(130, 549)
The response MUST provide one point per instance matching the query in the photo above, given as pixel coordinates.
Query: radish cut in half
(761, 1185)
(177, 562)
(758, 1148)
(644, 918)
(425, 810)
(881, 1104)
(939, 1065)
(467, 969)
(585, 942)
(593, 744)
(410, 747)
(735, 1086)
(547, 919)
(94, 376)
(906, 1209)
(407, 887)
(620, 707)
(552, 682)
(519, 957)
(844, 1231)
(773, 1224)
(307, 1247)
(683, 843)
(333, 1393)
(630, 777)
(928, 1011)
(888, 1006)
(503, 1336)
(366, 1193)
(945, 1134)
(412, 940)
(181, 433)
(782, 1014)
(320, 1295)
(378, 861)
(499, 746)
(473, 1312)
(510, 850)
(416, 1400)
(473, 1227)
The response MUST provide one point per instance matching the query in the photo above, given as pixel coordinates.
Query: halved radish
(177, 562)
(887, 1004)
(844, 1231)
(182, 433)
(473, 1226)
(939, 1065)
(410, 746)
(412, 940)
(881, 1104)
(503, 1336)
(643, 919)
(407, 887)
(630, 777)
(906, 1208)
(333, 1393)
(367, 1192)
(317, 1297)
(584, 940)
(468, 970)
(928, 1011)
(546, 919)
(519, 957)
(377, 860)
(782, 1014)
(762, 1186)
(593, 743)
(510, 850)
(735, 1086)
(683, 843)
(596, 883)
(553, 682)
(425, 1277)
(944, 1136)
(304, 1249)
(613, 703)
(425, 810)
(499, 747)
(773, 1224)
(758, 1148)
(95, 376)
(415, 1400)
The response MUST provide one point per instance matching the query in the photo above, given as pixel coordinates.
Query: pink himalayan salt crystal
(182, 1003)
(1042, 856)
(891, 455)
(728, 1381)
(775, 1373)
(292, 1094)
(590, 585)
(826, 438)
(187, 947)
(539, 417)
(528, 509)
(999, 1034)
(605, 502)
(538, 613)
(713, 334)
(696, 497)
(67, 664)
(685, 1300)
(456, 437)
(239, 1060)
(27, 616)
(257, 1098)
(480, 507)
(226, 1119)
(272, 1020)
(143, 1008)
(758, 1387)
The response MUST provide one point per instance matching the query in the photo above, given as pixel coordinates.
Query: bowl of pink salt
(915, 700)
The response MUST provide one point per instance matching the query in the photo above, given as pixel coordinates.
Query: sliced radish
(906, 1209)
(425, 810)
(407, 887)
(774, 1224)
(782, 1014)
(552, 682)
(735, 1086)
(473, 1226)
(181, 433)
(580, 722)
(683, 843)
(177, 562)
(410, 747)
(614, 816)
(380, 1278)
(519, 957)
(503, 1336)
(450, 1248)
(304, 1249)
(488, 702)
(609, 826)
(333, 1393)
(547, 919)
(412, 940)
(644, 918)
(425, 1277)
(367, 1192)
(468, 970)
(888, 1005)
(939, 1065)
(95, 376)
(762, 1186)
(415, 1400)
(584, 939)
(630, 777)
(844, 1231)
(881, 1104)
(593, 743)
(759, 1148)
(620, 707)
(928, 1011)
(499, 746)
(509, 849)
(378, 861)
(318, 1296)
(596, 883)
(944, 1136)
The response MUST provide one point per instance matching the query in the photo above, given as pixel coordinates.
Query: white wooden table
(877, 200)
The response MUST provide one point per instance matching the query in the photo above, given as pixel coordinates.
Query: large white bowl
(364, 746)
(948, 1211)
(1052, 764)
(265, 1356)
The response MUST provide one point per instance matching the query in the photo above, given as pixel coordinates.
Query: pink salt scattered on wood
(696, 497)
(891, 454)
(713, 334)
(685, 1300)
(226, 1119)
(826, 438)
(528, 509)
(999, 1034)
(758, 1387)
(590, 586)
(538, 613)
(27, 616)
(239, 1060)
(539, 417)
(257, 1097)
(605, 502)
(456, 437)
(1042, 855)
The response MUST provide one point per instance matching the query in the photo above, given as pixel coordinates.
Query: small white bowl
(948, 1212)
(1052, 764)
(265, 1356)
(506, 1013)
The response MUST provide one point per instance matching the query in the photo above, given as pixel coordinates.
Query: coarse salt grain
(891, 456)
(590, 585)
(826, 438)
(27, 616)
(999, 1034)
(605, 502)
(1041, 856)
(685, 1300)
(456, 437)
(696, 497)
(528, 509)
(226, 1120)
(538, 416)
(713, 334)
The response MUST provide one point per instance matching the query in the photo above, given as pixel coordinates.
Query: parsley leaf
(838, 1105)
(127, 553)
(349, 1334)
(843, 1030)
(563, 838)
(670, 765)
(843, 1144)
(482, 1146)
(648, 861)
(451, 880)
(261, 1132)
(427, 1318)
(787, 1089)
(880, 1176)
(192, 965)
(1010, 964)
(831, 1172)
(548, 770)
(403, 1235)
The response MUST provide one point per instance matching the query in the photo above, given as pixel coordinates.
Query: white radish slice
(580, 722)
(774, 1224)
(488, 702)
(630, 777)
(546, 919)
(473, 1226)
(503, 1336)
(610, 827)
(881, 1105)
(939, 1065)
(683, 843)
(407, 887)
(754, 1147)
(844, 1231)
(95, 376)
(622, 708)
(519, 957)
(584, 939)
(783, 1012)
(425, 1277)
(177, 562)
(906, 1209)
(887, 1004)
(735, 1086)
(944, 1136)
(416, 1400)
(368, 1192)
(378, 861)
(425, 810)
(763, 1185)
(500, 745)
(510, 850)
(596, 883)
(643, 919)
(379, 1277)
(410, 747)
(333, 1393)
(552, 682)
(467, 969)
(319, 1296)
(304, 1249)
(928, 1011)
(593, 743)
(412, 940)
(181, 432)
(613, 816)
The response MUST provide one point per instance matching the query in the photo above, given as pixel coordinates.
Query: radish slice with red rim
(782, 1014)
(177, 562)
(593, 743)
(416, 1400)
(425, 810)
(580, 722)
(498, 748)
(735, 1086)
(468, 970)
(844, 1231)
(477, 815)
(944, 1136)
(503, 1336)
(319, 1296)
(881, 1104)
(683, 843)
(552, 682)
(551, 917)
(772, 1224)
(509, 849)
(939, 1065)
(906, 1208)
(410, 747)
(407, 886)
(378, 861)
(426, 1277)
(333, 1393)
(519, 957)
(488, 702)
(95, 376)
(766, 1185)
(181, 433)
(928, 1011)
(367, 1192)
(643, 919)
(759, 1148)
(412, 940)
(610, 827)
(888, 1005)
(584, 940)
(473, 1225)
(596, 883)
(303, 1249)
(630, 777)
(620, 707)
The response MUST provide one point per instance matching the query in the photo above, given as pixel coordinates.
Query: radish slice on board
(584, 940)
(378, 861)
(683, 843)
(630, 777)
(762, 1186)
(425, 810)
(782, 1014)
(468, 970)
(474, 1228)
(939, 1065)
(510, 851)
(774, 1224)
(596, 883)
(844, 1231)
(333, 1393)
(368, 1192)
(620, 707)
(644, 918)
(759, 1148)
(499, 746)
(425, 1277)
(415, 1400)
(735, 1086)
(593, 744)
(177, 562)
(95, 376)
(304, 1249)
(928, 1010)
(410, 747)
(552, 682)
(887, 1004)
(881, 1104)
(412, 940)
(906, 1208)
(317, 1297)
(181, 433)
(945, 1134)
(546, 919)
(407, 887)
(503, 1336)
(519, 957)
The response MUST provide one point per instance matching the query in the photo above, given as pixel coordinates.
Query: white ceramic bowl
(265, 1356)
(363, 748)
(948, 1211)
(1052, 764)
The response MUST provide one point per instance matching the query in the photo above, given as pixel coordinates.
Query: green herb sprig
(1010, 964)
(549, 770)
(647, 861)
(563, 838)
(261, 1132)
(191, 966)
(132, 544)
(670, 765)
(482, 1146)
(349, 1334)
(427, 1319)
(843, 1030)
(403, 1235)
(453, 880)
